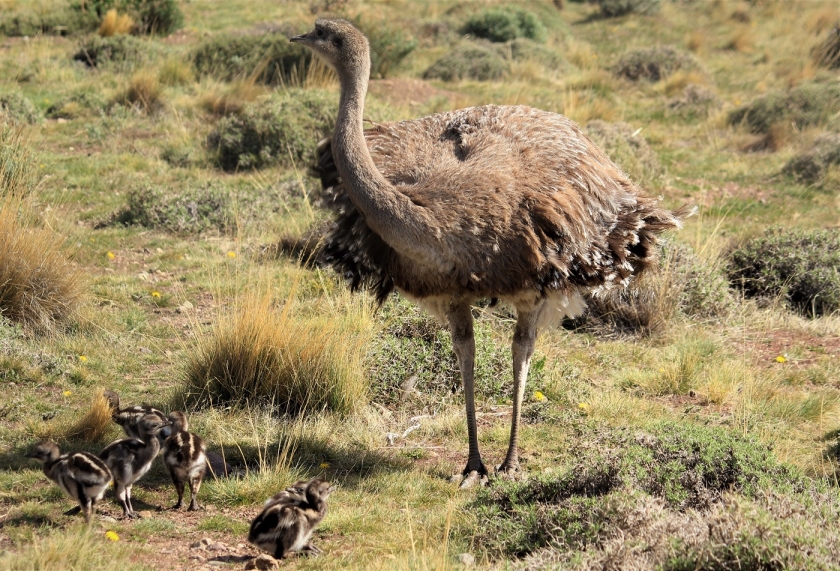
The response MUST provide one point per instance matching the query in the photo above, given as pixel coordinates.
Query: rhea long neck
(390, 214)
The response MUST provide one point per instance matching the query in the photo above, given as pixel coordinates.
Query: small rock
(145, 514)
(466, 560)
(198, 558)
(262, 561)
(217, 546)
(145, 350)
(108, 519)
(241, 546)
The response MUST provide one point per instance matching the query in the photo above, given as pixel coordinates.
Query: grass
(718, 413)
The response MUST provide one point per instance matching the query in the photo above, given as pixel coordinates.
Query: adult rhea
(499, 202)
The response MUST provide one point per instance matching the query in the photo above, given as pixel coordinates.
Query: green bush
(279, 130)
(469, 60)
(812, 165)
(35, 20)
(627, 148)
(77, 104)
(682, 466)
(524, 49)
(415, 346)
(807, 104)
(268, 58)
(505, 23)
(653, 64)
(120, 51)
(16, 108)
(613, 8)
(388, 46)
(802, 267)
(161, 17)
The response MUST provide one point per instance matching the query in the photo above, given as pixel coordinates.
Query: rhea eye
(319, 33)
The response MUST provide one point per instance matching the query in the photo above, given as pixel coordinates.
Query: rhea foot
(509, 470)
(472, 477)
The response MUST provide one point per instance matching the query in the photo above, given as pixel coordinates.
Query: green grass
(713, 428)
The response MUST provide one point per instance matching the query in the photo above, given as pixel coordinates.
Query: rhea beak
(300, 38)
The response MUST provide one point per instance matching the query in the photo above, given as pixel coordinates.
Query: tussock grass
(144, 92)
(175, 71)
(93, 425)
(231, 98)
(279, 357)
(114, 23)
(18, 173)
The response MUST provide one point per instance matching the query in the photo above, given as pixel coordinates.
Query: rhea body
(185, 456)
(288, 519)
(129, 416)
(130, 458)
(82, 476)
(499, 202)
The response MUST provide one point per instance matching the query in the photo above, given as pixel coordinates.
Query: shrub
(77, 104)
(34, 18)
(278, 130)
(388, 46)
(151, 16)
(827, 54)
(807, 104)
(505, 23)
(696, 101)
(123, 52)
(262, 354)
(469, 60)
(627, 148)
(415, 346)
(524, 49)
(654, 63)
(268, 58)
(811, 166)
(613, 8)
(16, 108)
(799, 266)
(672, 466)
(143, 92)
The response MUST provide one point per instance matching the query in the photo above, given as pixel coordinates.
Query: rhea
(288, 519)
(130, 458)
(495, 202)
(129, 416)
(82, 476)
(185, 456)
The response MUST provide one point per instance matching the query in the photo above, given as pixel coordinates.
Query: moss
(505, 23)
(810, 103)
(469, 60)
(654, 63)
(797, 266)
(280, 130)
(267, 58)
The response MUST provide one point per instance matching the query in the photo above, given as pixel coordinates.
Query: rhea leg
(195, 485)
(179, 489)
(463, 342)
(524, 338)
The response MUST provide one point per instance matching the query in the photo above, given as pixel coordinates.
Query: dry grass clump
(231, 98)
(144, 92)
(114, 23)
(654, 63)
(93, 425)
(827, 54)
(18, 175)
(695, 101)
(626, 147)
(261, 354)
(176, 71)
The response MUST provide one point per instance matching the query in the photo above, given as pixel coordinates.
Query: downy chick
(82, 476)
(130, 458)
(185, 457)
(295, 492)
(286, 525)
(129, 416)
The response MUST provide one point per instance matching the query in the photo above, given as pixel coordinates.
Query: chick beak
(299, 38)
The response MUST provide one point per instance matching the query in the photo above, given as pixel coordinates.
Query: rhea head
(340, 44)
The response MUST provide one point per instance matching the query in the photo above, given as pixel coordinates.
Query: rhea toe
(185, 456)
(288, 519)
(82, 476)
(130, 458)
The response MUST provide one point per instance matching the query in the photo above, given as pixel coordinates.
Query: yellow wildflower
(661, 369)
(324, 465)
(583, 407)
(539, 396)
(231, 254)
(112, 535)
(156, 294)
(82, 359)
(781, 359)
(68, 393)
(110, 255)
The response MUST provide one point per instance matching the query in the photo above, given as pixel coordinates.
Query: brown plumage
(505, 202)
(288, 519)
(129, 416)
(82, 476)
(185, 456)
